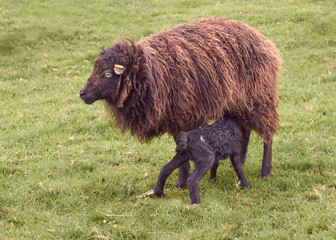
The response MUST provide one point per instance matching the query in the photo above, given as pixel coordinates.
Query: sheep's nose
(81, 93)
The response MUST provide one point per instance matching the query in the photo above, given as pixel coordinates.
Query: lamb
(206, 146)
(179, 79)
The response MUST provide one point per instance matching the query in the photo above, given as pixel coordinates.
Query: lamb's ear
(119, 69)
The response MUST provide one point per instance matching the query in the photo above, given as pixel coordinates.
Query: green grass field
(66, 173)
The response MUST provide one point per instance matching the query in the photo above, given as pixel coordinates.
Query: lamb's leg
(166, 171)
(193, 182)
(267, 159)
(183, 175)
(183, 172)
(236, 161)
(213, 171)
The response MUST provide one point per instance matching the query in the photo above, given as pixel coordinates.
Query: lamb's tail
(182, 140)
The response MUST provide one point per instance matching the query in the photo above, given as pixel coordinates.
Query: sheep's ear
(119, 69)
(126, 89)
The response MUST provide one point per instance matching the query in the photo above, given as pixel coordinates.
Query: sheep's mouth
(87, 98)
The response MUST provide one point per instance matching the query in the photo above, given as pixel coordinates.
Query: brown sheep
(181, 78)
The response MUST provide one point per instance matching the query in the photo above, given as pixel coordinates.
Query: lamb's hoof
(181, 185)
(246, 186)
(265, 171)
(159, 193)
(212, 179)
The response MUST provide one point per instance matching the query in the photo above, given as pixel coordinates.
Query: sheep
(206, 146)
(182, 78)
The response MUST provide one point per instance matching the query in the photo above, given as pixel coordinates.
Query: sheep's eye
(108, 75)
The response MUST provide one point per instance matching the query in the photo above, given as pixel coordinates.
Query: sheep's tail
(182, 140)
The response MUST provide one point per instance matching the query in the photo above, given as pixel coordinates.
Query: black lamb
(206, 146)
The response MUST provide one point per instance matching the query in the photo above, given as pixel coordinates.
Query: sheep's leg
(266, 129)
(166, 171)
(183, 175)
(267, 159)
(236, 161)
(193, 182)
(213, 171)
(246, 140)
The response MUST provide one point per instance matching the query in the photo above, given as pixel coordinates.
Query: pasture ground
(66, 173)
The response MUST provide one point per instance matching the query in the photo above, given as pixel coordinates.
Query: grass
(66, 173)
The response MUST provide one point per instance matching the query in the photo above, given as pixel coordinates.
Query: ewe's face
(104, 81)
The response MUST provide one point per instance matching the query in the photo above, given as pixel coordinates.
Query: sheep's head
(110, 77)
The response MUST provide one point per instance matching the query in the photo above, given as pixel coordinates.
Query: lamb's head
(110, 79)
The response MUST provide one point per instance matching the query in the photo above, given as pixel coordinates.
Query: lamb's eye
(108, 75)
